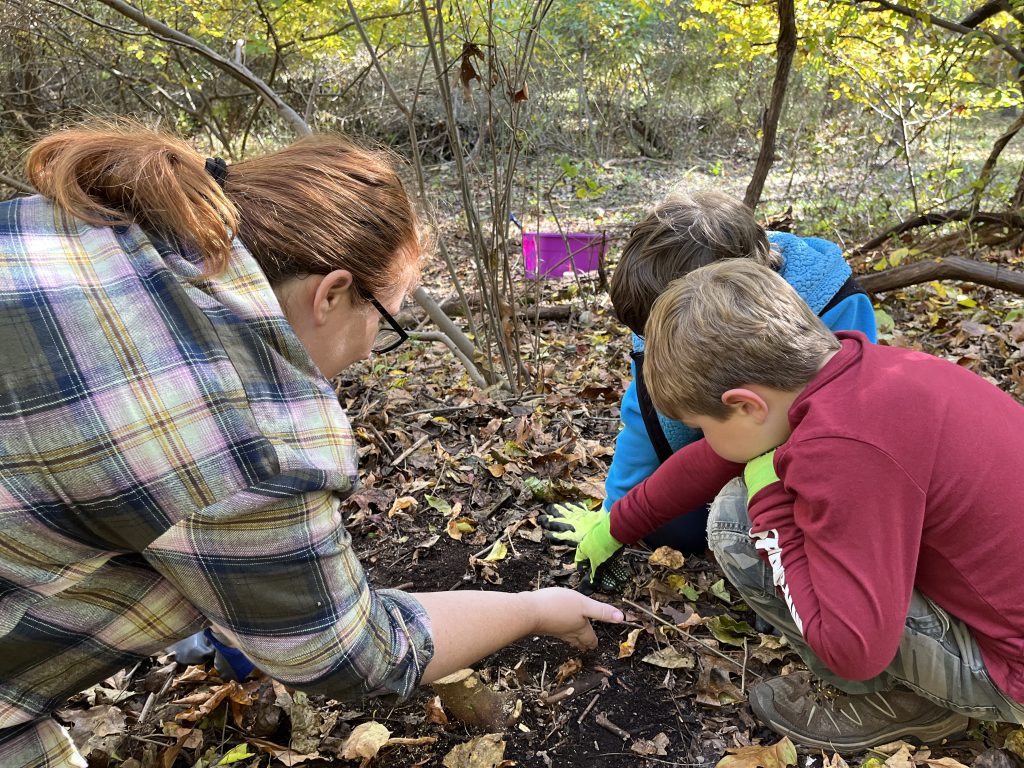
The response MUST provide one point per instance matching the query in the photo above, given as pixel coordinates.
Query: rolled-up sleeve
(276, 569)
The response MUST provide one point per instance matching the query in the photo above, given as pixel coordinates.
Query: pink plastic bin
(550, 254)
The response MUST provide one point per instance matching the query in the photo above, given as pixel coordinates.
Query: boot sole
(947, 727)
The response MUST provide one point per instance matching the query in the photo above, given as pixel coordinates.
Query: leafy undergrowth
(454, 478)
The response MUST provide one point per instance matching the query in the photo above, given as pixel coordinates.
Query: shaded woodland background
(891, 129)
(888, 128)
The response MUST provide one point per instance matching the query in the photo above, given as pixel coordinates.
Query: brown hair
(681, 234)
(729, 324)
(320, 204)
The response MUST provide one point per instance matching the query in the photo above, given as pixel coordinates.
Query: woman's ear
(332, 290)
(747, 402)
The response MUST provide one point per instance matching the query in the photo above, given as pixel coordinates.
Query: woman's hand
(466, 626)
(566, 614)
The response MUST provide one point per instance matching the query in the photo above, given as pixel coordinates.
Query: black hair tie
(218, 169)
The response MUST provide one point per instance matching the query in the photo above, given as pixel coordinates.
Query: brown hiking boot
(818, 715)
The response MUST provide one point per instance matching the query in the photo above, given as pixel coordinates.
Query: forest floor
(454, 478)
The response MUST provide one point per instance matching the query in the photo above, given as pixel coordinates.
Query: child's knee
(728, 513)
(729, 540)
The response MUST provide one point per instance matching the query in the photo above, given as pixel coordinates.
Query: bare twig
(586, 711)
(991, 160)
(238, 71)
(602, 720)
(402, 456)
(938, 21)
(1010, 219)
(743, 674)
(12, 182)
(581, 685)
(685, 634)
(153, 698)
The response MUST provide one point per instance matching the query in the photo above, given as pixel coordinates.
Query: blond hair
(726, 325)
(320, 204)
(683, 233)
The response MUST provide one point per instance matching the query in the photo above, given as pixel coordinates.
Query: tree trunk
(785, 49)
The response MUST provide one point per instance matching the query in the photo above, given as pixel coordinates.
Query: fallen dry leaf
(656, 746)
(460, 525)
(714, 686)
(901, 759)
(1015, 740)
(285, 755)
(670, 658)
(628, 646)
(683, 619)
(944, 762)
(667, 558)
(98, 728)
(1017, 331)
(401, 504)
(772, 756)
(310, 724)
(365, 741)
(836, 761)
(193, 737)
(567, 670)
(892, 747)
(485, 751)
(210, 701)
(772, 648)
(434, 712)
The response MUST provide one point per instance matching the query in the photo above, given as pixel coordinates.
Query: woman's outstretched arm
(467, 626)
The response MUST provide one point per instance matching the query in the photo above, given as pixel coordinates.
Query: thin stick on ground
(586, 711)
(687, 635)
(602, 720)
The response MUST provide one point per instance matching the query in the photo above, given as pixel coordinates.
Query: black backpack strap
(648, 412)
(850, 288)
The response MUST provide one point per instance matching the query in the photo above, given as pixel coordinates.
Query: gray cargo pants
(938, 657)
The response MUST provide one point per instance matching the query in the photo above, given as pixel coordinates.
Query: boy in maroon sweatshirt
(878, 522)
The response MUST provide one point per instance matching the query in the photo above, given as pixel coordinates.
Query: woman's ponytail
(117, 174)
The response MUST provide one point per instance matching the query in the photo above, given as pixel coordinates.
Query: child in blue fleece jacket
(683, 233)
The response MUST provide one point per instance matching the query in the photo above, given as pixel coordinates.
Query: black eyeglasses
(389, 338)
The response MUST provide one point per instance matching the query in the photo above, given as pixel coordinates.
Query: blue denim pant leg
(686, 533)
(938, 656)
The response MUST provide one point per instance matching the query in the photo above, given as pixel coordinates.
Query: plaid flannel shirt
(169, 458)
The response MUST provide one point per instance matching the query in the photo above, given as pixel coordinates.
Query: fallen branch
(12, 182)
(1008, 219)
(948, 268)
(453, 307)
(475, 703)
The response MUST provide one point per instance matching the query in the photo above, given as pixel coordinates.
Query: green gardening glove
(590, 530)
(569, 523)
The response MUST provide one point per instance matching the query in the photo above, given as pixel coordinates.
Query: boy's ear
(747, 402)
